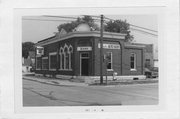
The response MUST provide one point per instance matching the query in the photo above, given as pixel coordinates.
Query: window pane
(147, 63)
(53, 61)
(67, 60)
(132, 58)
(132, 65)
(109, 60)
(45, 64)
(70, 61)
(62, 61)
(132, 61)
(38, 63)
(109, 66)
(85, 55)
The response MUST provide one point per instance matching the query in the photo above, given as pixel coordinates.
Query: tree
(119, 26)
(26, 47)
(69, 27)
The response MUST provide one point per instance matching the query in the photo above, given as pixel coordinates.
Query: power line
(66, 17)
(72, 17)
(93, 16)
(144, 31)
(45, 19)
(143, 28)
(134, 25)
(59, 16)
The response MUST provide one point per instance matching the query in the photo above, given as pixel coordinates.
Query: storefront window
(109, 60)
(133, 61)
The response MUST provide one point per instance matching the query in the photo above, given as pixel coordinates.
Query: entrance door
(84, 57)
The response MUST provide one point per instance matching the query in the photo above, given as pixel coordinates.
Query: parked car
(151, 72)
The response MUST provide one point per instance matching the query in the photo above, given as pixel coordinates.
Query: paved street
(39, 94)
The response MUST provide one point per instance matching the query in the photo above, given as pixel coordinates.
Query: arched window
(70, 56)
(66, 57)
(61, 59)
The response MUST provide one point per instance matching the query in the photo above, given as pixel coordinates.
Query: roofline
(141, 44)
(80, 34)
(47, 39)
(134, 46)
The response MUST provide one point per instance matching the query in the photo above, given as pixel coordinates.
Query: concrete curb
(54, 81)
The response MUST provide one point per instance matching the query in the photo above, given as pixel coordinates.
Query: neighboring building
(148, 37)
(28, 63)
(78, 54)
(149, 55)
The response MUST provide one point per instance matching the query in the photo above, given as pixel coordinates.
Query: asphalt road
(39, 94)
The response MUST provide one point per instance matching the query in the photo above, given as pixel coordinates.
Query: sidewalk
(53, 81)
(66, 82)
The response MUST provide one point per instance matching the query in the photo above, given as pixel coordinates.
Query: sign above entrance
(110, 46)
(84, 48)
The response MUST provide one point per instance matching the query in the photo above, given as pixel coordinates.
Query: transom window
(85, 55)
(133, 61)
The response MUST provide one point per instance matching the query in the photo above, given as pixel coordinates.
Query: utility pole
(101, 50)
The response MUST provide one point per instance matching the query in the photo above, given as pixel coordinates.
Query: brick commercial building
(78, 54)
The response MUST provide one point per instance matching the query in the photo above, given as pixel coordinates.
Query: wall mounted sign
(84, 48)
(109, 46)
(39, 50)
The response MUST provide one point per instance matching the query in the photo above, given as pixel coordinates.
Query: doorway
(84, 64)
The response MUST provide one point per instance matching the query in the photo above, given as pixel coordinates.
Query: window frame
(44, 58)
(135, 68)
(63, 54)
(50, 54)
(66, 56)
(37, 64)
(70, 57)
(110, 62)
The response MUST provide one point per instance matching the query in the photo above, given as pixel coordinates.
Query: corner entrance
(84, 64)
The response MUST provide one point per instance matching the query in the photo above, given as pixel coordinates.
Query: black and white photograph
(90, 60)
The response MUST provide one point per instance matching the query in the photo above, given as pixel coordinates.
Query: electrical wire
(45, 19)
(134, 25)
(59, 16)
(66, 17)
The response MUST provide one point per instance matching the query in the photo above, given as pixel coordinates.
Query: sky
(36, 30)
